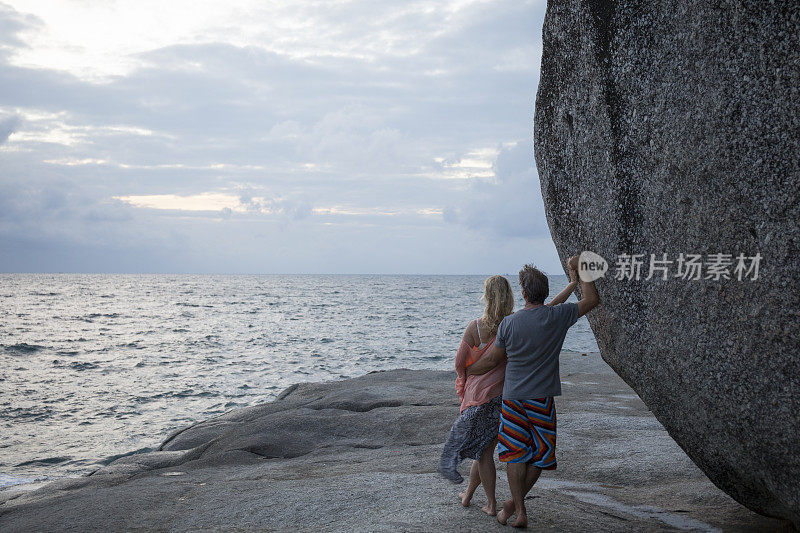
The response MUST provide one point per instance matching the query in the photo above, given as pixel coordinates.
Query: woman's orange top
(477, 390)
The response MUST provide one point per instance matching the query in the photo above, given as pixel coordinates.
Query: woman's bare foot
(506, 512)
(465, 498)
(490, 508)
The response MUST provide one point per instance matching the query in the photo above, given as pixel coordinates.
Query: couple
(507, 380)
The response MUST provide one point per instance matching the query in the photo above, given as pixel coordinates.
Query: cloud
(510, 205)
(12, 25)
(195, 202)
(225, 203)
(8, 125)
(299, 124)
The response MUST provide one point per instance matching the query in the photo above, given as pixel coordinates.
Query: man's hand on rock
(572, 263)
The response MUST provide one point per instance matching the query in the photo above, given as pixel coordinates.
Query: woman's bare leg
(474, 481)
(488, 475)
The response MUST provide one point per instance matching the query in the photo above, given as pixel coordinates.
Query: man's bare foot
(506, 512)
(490, 508)
(521, 521)
(465, 498)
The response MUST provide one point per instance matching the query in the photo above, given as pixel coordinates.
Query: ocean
(97, 366)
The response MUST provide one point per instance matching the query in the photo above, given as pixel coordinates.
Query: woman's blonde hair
(499, 301)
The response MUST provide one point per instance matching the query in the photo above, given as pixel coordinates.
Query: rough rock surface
(361, 455)
(669, 127)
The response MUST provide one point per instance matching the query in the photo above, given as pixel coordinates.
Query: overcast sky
(326, 136)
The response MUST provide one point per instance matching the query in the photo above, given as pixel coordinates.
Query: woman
(474, 433)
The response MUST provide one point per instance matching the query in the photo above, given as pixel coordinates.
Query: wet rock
(674, 127)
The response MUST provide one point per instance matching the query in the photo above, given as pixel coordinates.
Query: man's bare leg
(474, 481)
(516, 482)
(532, 474)
(488, 477)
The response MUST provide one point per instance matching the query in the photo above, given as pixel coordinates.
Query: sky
(360, 136)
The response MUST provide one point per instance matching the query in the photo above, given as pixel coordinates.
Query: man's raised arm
(490, 360)
(562, 296)
(590, 297)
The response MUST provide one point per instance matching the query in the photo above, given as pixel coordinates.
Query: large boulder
(674, 127)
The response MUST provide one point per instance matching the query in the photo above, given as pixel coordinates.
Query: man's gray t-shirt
(532, 339)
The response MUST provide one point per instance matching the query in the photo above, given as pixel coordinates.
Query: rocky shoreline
(361, 455)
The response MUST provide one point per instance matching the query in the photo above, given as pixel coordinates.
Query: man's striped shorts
(528, 432)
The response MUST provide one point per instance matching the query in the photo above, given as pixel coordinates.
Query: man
(530, 341)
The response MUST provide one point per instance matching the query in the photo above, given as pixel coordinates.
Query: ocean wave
(103, 315)
(187, 393)
(34, 413)
(10, 481)
(23, 348)
(45, 462)
(76, 365)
